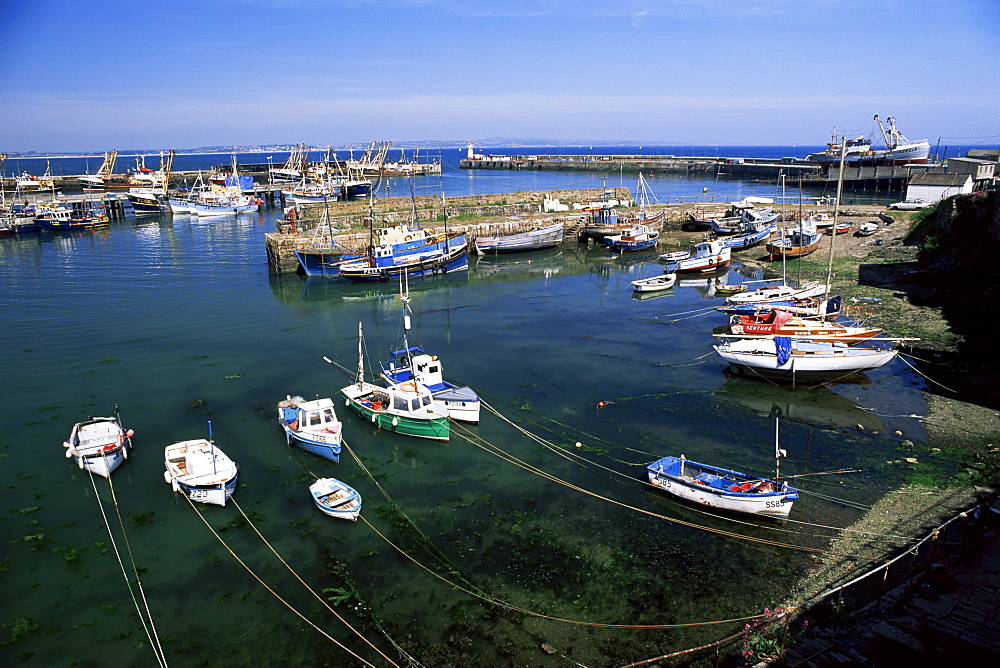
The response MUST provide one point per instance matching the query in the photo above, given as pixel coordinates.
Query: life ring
(408, 238)
(108, 448)
(408, 387)
(383, 275)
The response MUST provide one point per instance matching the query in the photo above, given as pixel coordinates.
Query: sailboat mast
(836, 213)
(361, 360)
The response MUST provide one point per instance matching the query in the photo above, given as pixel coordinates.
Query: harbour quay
(746, 168)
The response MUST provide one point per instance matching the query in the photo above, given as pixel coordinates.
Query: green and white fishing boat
(407, 408)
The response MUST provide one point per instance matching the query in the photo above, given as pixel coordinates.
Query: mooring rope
(149, 630)
(311, 591)
(920, 373)
(269, 589)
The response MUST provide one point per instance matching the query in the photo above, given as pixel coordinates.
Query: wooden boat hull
(721, 489)
(546, 237)
(336, 499)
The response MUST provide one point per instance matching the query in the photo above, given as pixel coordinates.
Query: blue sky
(92, 75)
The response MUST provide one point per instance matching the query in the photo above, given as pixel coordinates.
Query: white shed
(935, 187)
(980, 170)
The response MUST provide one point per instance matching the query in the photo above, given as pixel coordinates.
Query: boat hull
(200, 471)
(414, 264)
(808, 360)
(546, 237)
(336, 499)
(718, 488)
(99, 445)
(434, 428)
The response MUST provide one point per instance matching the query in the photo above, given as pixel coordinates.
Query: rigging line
(900, 356)
(689, 362)
(311, 591)
(569, 453)
(269, 589)
(427, 543)
(532, 613)
(698, 310)
(537, 471)
(158, 651)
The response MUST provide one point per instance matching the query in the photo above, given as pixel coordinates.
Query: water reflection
(814, 406)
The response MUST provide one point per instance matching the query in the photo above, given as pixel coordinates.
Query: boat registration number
(197, 494)
(776, 503)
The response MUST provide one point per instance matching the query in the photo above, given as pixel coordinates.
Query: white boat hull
(807, 360)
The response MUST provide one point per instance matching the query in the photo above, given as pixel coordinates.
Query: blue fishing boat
(751, 236)
(441, 255)
(336, 498)
(326, 258)
(312, 426)
(635, 238)
(64, 218)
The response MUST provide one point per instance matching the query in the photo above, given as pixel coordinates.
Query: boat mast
(836, 213)
(778, 452)
(361, 361)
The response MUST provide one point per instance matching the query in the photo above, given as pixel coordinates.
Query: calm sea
(177, 322)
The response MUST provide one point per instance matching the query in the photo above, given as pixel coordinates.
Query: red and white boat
(784, 323)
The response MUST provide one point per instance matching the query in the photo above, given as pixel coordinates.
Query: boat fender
(175, 486)
(347, 402)
(374, 418)
(383, 275)
(69, 450)
(167, 477)
(125, 452)
(395, 421)
(79, 462)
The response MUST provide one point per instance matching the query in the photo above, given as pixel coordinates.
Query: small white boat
(721, 488)
(336, 499)
(674, 256)
(311, 425)
(655, 283)
(778, 293)
(867, 229)
(200, 470)
(99, 445)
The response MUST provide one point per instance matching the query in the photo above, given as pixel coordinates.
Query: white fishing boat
(200, 470)
(655, 283)
(786, 358)
(859, 152)
(336, 498)
(99, 444)
(411, 364)
(707, 256)
(311, 425)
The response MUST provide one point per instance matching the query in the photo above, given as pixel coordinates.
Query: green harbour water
(492, 544)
